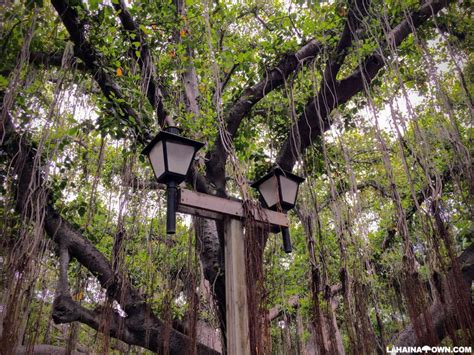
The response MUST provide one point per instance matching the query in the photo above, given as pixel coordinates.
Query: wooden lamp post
(171, 156)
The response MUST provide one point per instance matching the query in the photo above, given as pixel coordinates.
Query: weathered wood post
(237, 322)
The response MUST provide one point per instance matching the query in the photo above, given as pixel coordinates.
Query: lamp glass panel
(179, 157)
(269, 191)
(157, 159)
(289, 189)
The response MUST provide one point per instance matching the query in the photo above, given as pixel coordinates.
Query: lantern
(279, 189)
(171, 156)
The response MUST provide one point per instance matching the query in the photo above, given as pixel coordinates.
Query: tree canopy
(370, 100)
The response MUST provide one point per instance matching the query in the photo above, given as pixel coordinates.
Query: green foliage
(96, 175)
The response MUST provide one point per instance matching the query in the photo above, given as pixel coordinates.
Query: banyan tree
(370, 100)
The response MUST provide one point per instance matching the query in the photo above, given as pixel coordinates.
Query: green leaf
(93, 4)
(3, 82)
(73, 131)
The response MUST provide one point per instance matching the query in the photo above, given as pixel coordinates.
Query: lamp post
(171, 156)
(279, 189)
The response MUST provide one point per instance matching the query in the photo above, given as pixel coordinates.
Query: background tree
(370, 100)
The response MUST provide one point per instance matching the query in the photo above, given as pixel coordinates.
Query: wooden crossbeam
(213, 207)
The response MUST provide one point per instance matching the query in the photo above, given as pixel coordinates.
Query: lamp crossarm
(213, 207)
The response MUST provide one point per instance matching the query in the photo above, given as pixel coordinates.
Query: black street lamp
(279, 189)
(171, 156)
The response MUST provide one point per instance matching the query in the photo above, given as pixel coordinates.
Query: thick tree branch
(314, 120)
(131, 330)
(63, 283)
(357, 11)
(53, 59)
(227, 76)
(210, 248)
(94, 63)
(242, 106)
(189, 75)
(154, 92)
